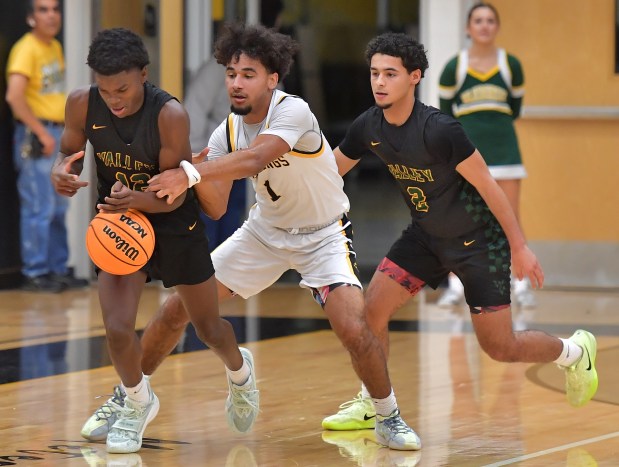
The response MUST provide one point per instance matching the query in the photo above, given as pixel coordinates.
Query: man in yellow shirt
(36, 95)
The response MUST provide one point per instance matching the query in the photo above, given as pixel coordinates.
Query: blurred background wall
(569, 133)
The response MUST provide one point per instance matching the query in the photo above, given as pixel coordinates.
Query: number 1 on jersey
(274, 196)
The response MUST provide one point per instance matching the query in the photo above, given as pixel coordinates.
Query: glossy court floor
(468, 410)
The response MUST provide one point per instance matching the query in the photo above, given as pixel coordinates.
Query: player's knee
(118, 336)
(376, 320)
(354, 335)
(213, 334)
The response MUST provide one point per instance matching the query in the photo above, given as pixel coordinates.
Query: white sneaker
(523, 295)
(450, 297)
(525, 299)
(100, 422)
(125, 436)
(393, 432)
(243, 402)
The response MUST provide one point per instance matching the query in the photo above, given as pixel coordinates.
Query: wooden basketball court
(468, 410)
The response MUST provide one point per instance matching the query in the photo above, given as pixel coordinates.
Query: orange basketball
(120, 243)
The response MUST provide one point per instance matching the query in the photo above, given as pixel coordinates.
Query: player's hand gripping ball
(120, 243)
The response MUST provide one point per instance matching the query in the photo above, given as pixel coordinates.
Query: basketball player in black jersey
(461, 222)
(138, 130)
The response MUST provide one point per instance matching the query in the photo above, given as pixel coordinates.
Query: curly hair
(399, 45)
(115, 50)
(274, 50)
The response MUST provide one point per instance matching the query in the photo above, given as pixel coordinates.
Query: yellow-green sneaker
(357, 414)
(581, 379)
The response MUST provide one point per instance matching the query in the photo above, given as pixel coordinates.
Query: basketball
(120, 243)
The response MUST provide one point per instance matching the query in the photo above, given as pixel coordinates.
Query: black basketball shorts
(481, 259)
(181, 259)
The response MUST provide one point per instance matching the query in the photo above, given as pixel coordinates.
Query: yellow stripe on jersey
(483, 76)
(231, 137)
(309, 155)
(351, 266)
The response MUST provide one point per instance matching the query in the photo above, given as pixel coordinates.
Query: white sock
(571, 353)
(385, 407)
(365, 394)
(240, 376)
(520, 285)
(139, 393)
(455, 284)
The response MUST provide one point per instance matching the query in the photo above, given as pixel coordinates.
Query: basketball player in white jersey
(298, 222)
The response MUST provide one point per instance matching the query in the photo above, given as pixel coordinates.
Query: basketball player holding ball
(138, 130)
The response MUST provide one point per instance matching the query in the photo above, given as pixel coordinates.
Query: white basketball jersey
(302, 188)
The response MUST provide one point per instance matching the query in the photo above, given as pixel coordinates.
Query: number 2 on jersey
(418, 198)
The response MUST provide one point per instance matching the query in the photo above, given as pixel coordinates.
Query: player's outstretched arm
(212, 196)
(524, 261)
(234, 166)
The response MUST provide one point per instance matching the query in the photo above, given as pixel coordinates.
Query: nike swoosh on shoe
(588, 358)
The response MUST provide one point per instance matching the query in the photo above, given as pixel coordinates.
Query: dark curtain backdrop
(12, 26)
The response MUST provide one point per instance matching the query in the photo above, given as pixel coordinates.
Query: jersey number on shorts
(137, 182)
(418, 198)
(274, 196)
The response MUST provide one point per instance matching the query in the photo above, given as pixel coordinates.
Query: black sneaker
(69, 280)
(42, 284)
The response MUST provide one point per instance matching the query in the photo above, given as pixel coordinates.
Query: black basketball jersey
(422, 155)
(135, 162)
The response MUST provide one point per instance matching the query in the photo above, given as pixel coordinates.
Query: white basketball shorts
(257, 254)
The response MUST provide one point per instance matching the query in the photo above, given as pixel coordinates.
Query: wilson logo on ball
(120, 243)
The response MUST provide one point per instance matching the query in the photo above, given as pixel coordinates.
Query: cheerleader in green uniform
(483, 87)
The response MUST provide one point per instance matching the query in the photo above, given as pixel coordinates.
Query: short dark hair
(115, 50)
(274, 50)
(399, 45)
(483, 5)
(30, 4)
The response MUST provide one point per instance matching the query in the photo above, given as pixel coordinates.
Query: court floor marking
(545, 452)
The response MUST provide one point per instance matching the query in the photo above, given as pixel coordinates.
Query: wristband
(192, 173)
